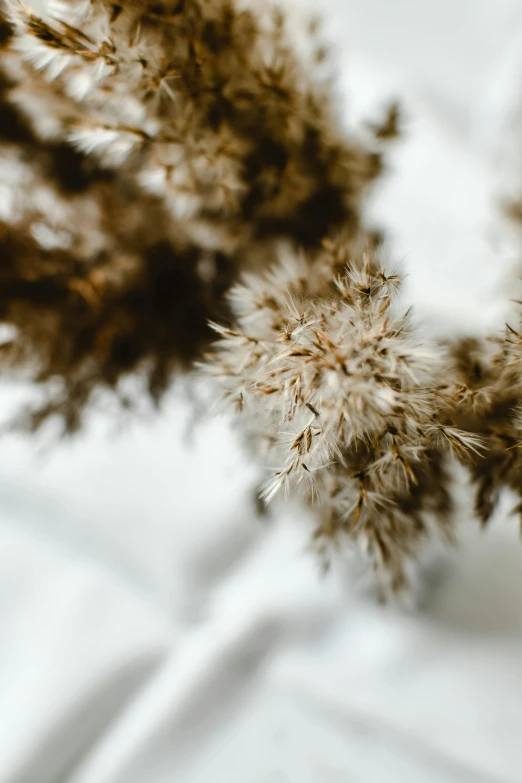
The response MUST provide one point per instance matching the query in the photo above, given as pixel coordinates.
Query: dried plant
(97, 279)
(346, 404)
(489, 403)
(205, 102)
(166, 165)
(148, 152)
(89, 304)
(487, 380)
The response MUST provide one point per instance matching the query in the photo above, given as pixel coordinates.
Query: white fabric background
(152, 630)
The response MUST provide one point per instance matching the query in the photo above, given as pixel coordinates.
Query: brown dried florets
(119, 292)
(348, 407)
(207, 104)
(97, 280)
(226, 141)
(152, 153)
(489, 403)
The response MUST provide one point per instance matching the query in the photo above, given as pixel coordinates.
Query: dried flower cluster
(206, 104)
(96, 279)
(490, 404)
(348, 406)
(148, 152)
(152, 155)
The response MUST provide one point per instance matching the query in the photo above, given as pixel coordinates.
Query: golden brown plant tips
(342, 398)
(488, 402)
(208, 106)
(390, 127)
(166, 165)
(151, 152)
(88, 327)
(98, 282)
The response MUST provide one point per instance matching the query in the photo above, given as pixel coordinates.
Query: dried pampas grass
(168, 169)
